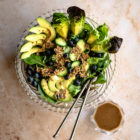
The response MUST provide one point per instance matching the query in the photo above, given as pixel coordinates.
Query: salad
(61, 55)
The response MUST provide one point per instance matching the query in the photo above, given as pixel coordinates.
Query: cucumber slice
(60, 41)
(63, 73)
(81, 44)
(53, 57)
(67, 50)
(72, 57)
(75, 63)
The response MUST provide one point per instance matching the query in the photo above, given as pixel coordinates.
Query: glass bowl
(98, 129)
(97, 93)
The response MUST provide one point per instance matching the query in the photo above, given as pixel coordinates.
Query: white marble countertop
(22, 119)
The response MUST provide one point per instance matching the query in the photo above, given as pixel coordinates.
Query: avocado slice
(98, 48)
(33, 50)
(44, 23)
(66, 83)
(59, 84)
(45, 88)
(35, 37)
(93, 36)
(52, 81)
(51, 94)
(27, 46)
(68, 97)
(38, 30)
(63, 30)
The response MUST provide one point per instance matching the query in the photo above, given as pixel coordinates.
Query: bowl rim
(30, 91)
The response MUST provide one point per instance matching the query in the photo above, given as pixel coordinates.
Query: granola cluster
(46, 72)
(77, 51)
(61, 94)
(48, 45)
(60, 61)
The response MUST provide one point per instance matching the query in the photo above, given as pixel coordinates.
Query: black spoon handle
(71, 109)
(81, 108)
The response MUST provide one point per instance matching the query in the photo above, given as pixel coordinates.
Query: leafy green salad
(61, 55)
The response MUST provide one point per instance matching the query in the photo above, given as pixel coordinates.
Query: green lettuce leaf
(100, 80)
(74, 89)
(103, 31)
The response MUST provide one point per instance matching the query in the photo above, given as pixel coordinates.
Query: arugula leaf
(100, 80)
(34, 59)
(103, 31)
(96, 60)
(103, 64)
(44, 95)
(74, 89)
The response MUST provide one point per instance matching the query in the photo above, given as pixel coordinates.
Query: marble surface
(21, 118)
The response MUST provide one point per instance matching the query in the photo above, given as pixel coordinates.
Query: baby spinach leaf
(34, 59)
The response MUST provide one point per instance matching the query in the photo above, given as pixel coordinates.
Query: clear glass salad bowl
(97, 93)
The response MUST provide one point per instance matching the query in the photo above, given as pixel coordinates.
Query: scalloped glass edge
(94, 97)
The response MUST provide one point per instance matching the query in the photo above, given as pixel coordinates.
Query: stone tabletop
(21, 118)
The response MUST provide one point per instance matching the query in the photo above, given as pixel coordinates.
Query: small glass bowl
(97, 128)
(97, 93)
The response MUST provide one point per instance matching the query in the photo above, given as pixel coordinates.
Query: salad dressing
(108, 116)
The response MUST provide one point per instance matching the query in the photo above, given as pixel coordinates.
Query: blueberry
(34, 83)
(93, 68)
(30, 79)
(76, 40)
(66, 55)
(48, 52)
(69, 70)
(70, 43)
(77, 75)
(29, 67)
(37, 75)
(97, 73)
(50, 63)
(99, 54)
(77, 82)
(66, 77)
(30, 72)
(91, 53)
(68, 64)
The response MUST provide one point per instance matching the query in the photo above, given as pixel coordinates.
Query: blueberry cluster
(32, 76)
(69, 68)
